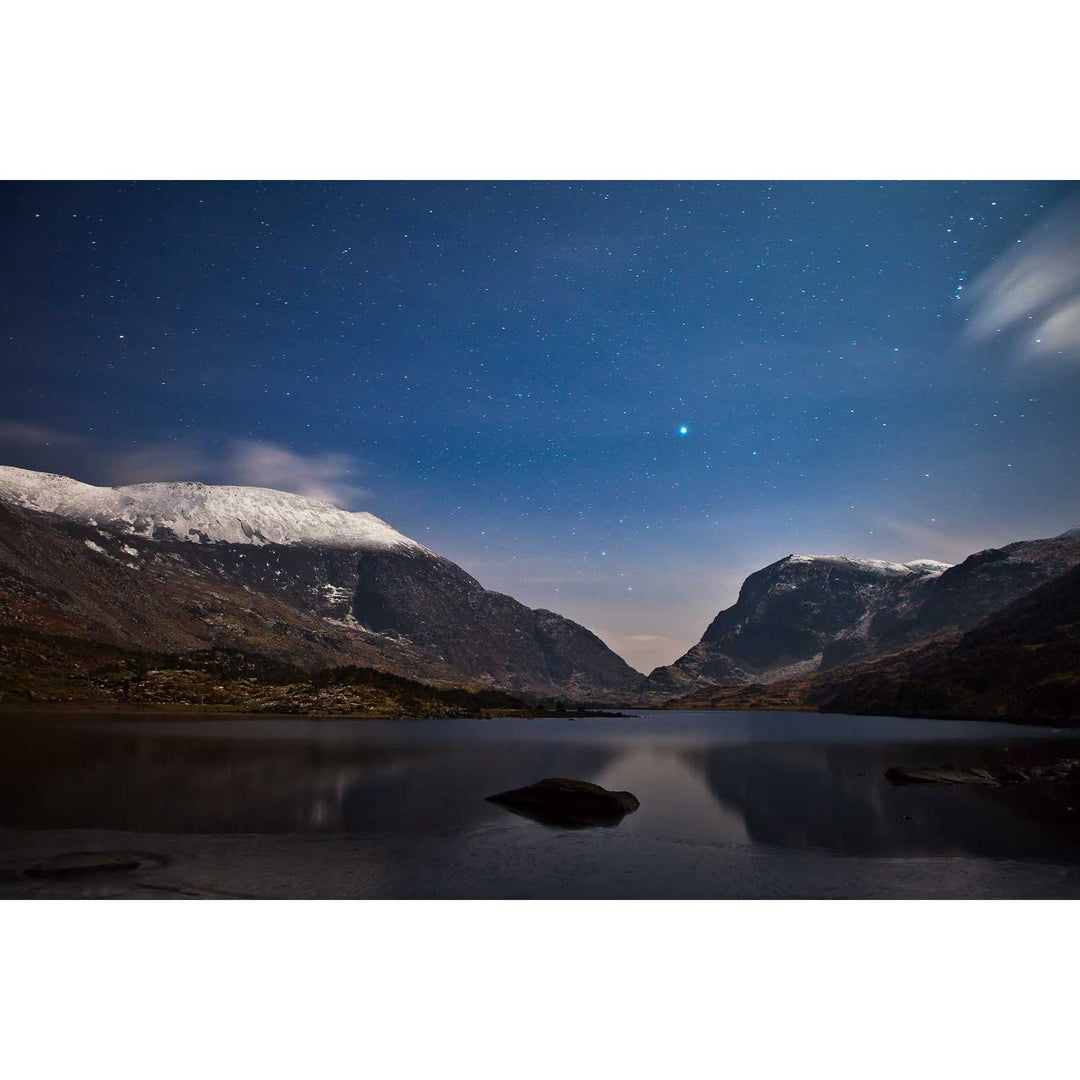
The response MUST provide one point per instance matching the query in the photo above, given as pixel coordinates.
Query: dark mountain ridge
(91, 573)
(807, 614)
(1020, 664)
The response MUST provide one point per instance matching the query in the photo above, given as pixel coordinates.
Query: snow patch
(844, 561)
(95, 547)
(203, 513)
(928, 566)
(891, 569)
(335, 594)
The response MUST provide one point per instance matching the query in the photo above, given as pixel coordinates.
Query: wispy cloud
(320, 476)
(911, 540)
(166, 460)
(1030, 295)
(18, 433)
(247, 462)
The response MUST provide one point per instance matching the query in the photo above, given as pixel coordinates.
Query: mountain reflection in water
(780, 780)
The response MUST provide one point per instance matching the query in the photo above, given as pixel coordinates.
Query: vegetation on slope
(233, 681)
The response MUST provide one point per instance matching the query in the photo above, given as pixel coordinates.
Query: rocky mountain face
(1021, 664)
(983, 583)
(178, 567)
(808, 613)
(435, 603)
(789, 613)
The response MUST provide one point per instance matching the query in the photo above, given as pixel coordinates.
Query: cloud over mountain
(244, 462)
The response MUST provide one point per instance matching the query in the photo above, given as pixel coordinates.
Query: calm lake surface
(396, 808)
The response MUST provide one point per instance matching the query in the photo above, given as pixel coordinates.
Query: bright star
(684, 430)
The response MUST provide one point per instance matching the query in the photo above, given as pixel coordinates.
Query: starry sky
(611, 399)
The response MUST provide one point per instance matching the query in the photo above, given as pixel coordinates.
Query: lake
(733, 804)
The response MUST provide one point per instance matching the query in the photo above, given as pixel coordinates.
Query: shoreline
(252, 866)
(84, 709)
(162, 710)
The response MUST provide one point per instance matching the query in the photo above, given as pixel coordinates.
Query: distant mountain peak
(928, 566)
(917, 566)
(809, 613)
(202, 513)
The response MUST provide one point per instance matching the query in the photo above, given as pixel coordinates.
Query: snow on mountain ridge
(202, 513)
(916, 566)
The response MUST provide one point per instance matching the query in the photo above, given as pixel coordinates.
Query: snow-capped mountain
(201, 513)
(808, 613)
(787, 615)
(179, 566)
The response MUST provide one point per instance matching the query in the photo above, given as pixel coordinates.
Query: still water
(711, 785)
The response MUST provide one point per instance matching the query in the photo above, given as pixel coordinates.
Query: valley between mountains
(247, 599)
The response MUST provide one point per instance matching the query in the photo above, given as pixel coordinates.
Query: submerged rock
(941, 774)
(568, 803)
(77, 863)
(1062, 771)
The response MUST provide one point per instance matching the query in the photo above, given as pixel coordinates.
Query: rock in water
(1061, 771)
(568, 803)
(78, 863)
(944, 774)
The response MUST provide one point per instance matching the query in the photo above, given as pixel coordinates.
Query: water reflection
(155, 778)
(675, 798)
(835, 797)
(729, 779)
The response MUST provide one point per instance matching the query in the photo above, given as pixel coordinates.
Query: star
(684, 430)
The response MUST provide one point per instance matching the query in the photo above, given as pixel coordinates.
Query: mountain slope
(1020, 664)
(70, 593)
(812, 613)
(983, 583)
(182, 566)
(789, 613)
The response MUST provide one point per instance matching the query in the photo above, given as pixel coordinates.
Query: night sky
(613, 399)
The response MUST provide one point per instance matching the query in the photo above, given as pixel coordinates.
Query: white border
(568, 89)
(536, 990)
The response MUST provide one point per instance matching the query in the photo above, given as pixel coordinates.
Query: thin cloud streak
(1031, 294)
(18, 433)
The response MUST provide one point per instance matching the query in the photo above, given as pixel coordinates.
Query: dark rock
(568, 803)
(944, 774)
(78, 863)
